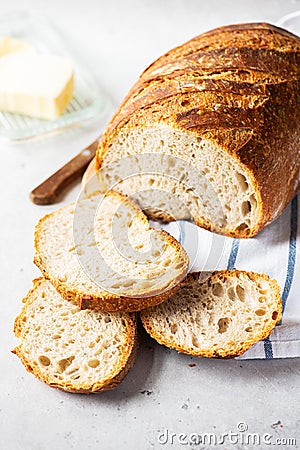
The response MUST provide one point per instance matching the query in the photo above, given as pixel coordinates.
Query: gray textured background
(118, 39)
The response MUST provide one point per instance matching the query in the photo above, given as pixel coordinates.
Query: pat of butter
(35, 85)
(9, 45)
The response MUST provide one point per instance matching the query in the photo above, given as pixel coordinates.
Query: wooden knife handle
(46, 193)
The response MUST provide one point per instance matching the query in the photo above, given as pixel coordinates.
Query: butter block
(36, 85)
(10, 45)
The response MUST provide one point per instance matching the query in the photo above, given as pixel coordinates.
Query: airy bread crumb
(74, 350)
(220, 317)
(102, 253)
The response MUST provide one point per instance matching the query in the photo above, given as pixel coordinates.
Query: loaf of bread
(73, 350)
(220, 317)
(102, 253)
(220, 118)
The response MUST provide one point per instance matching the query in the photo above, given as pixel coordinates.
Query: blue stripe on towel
(268, 348)
(292, 252)
(290, 269)
(181, 238)
(233, 254)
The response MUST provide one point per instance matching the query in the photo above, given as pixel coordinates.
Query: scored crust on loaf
(220, 317)
(70, 349)
(226, 103)
(102, 253)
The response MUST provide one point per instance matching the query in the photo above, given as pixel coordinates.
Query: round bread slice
(221, 317)
(102, 252)
(70, 349)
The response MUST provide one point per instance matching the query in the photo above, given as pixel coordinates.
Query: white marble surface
(118, 39)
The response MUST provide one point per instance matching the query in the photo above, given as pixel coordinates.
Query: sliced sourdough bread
(102, 253)
(70, 349)
(226, 106)
(222, 316)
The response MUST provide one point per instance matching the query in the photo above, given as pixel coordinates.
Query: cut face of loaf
(102, 253)
(225, 108)
(182, 177)
(74, 350)
(220, 317)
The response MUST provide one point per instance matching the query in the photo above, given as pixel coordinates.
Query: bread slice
(73, 350)
(213, 129)
(220, 317)
(102, 253)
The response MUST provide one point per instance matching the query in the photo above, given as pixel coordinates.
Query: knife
(47, 192)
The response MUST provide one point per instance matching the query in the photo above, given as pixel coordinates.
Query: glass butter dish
(89, 100)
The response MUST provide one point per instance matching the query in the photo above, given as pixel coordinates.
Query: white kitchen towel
(273, 251)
